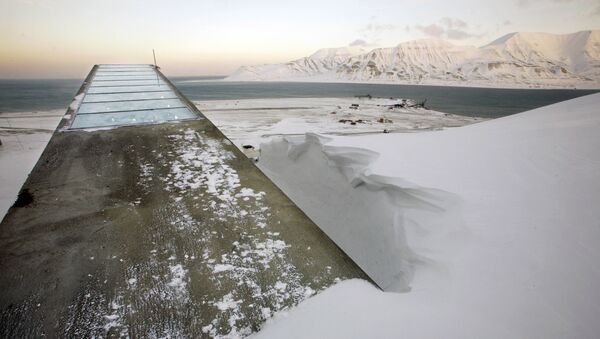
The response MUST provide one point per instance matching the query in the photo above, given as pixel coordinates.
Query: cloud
(507, 23)
(525, 3)
(456, 34)
(375, 27)
(451, 28)
(453, 23)
(593, 12)
(359, 42)
(433, 30)
(373, 30)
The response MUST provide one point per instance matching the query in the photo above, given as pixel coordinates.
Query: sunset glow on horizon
(64, 38)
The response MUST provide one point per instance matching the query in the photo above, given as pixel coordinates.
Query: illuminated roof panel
(129, 95)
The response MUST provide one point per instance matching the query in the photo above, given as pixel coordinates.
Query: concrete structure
(161, 228)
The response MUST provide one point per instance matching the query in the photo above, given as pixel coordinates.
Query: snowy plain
(516, 257)
(24, 137)
(254, 121)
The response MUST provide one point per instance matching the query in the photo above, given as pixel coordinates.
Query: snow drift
(517, 258)
(515, 60)
(371, 217)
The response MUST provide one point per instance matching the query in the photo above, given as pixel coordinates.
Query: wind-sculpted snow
(515, 60)
(529, 186)
(387, 225)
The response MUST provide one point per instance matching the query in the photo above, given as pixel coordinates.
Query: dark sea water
(36, 95)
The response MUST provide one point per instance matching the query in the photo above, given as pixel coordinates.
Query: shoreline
(250, 122)
(595, 87)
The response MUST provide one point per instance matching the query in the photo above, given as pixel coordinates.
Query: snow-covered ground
(24, 136)
(252, 121)
(492, 228)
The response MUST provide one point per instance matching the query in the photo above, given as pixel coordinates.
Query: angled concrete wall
(155, 230)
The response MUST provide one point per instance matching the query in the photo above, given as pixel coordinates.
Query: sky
(64, 38)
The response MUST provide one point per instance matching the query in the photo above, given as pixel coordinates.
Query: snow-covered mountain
(323, 61)
(514, 60)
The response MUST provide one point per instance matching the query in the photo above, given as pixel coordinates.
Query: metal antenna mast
(155, 67)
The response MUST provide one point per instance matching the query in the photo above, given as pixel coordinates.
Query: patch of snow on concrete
(227, 303)
(201, 168)
(76, 102)
(178, 279)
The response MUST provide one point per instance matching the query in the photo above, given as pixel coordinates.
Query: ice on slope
(530, 186)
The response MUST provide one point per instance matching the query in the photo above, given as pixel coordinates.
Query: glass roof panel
(132, 105)
(125, 77)
(111, 73)
(129, 69)
(126, 83)
(131, 118)
(124, 66)
(129, 96)
(128, 89)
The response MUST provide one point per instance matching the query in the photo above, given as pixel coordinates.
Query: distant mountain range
(514, 60)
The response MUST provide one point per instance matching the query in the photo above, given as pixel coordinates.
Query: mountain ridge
(519, 59)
